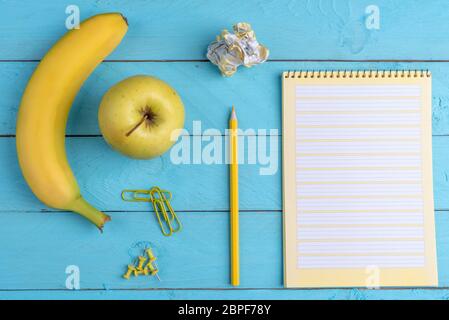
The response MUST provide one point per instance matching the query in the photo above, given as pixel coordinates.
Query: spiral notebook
(357, 179)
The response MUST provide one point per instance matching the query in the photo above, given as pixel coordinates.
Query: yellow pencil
(234, 200)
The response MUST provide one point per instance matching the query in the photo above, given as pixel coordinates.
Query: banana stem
(82, 207)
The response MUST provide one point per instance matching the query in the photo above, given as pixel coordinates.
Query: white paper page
(359, 176)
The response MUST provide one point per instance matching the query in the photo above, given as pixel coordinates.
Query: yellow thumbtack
(138, 272)
(141, 262)
(143, 265)
(150, 254)
(153, 270)
(131, 268)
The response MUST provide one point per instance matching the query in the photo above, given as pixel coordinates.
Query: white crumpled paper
(231, 50)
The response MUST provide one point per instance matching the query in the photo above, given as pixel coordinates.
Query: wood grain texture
(37, 248)
(292, 29)
(207, 96)
(197, 257)
(103, 173)
(233, 294)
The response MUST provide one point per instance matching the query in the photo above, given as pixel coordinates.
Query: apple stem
(145, 116)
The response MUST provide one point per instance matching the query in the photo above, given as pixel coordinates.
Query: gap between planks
(269, 60)
(179, 211)
(145, 212)
(228, 289)
(182, 135)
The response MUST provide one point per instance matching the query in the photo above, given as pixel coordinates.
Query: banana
(45, 106)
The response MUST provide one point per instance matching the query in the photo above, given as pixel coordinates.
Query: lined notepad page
(364, 210)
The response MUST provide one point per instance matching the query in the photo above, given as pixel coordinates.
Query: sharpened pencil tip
(233, 114)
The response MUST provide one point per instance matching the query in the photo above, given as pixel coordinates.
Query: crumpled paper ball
(231, 50)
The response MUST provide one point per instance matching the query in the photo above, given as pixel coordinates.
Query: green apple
(141, 116)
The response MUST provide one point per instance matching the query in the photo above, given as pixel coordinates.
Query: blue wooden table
(168, 39)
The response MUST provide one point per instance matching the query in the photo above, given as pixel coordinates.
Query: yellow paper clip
(160, 199)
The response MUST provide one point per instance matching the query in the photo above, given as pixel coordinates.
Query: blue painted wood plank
(197, 257)
(103, 173)
(37, 248)
(236, 294)
(440, 146)
(206, 95)
(292, 29)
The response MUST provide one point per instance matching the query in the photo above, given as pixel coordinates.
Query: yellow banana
(46, 102)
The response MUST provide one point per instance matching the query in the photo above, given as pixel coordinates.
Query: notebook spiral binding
(358, 74)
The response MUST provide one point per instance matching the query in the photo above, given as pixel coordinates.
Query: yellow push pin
(151, 256)
(138, 272)
(131, 268)
(153, 271)
(141, 262)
